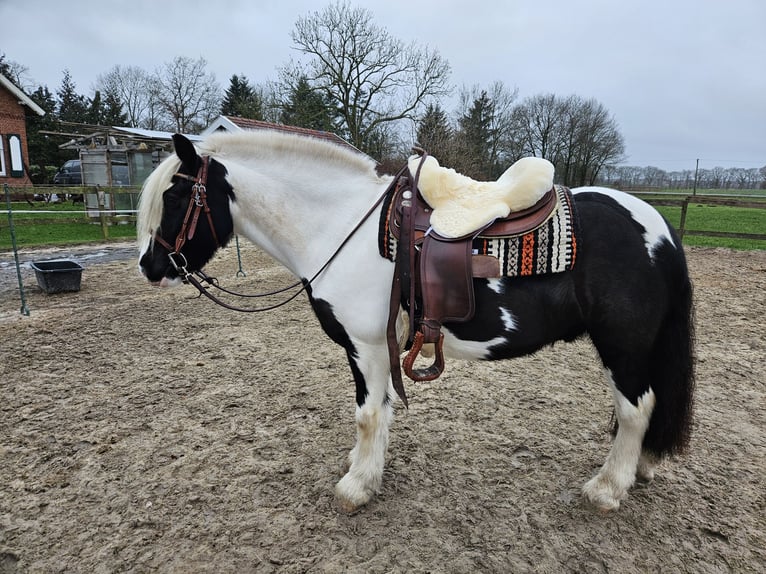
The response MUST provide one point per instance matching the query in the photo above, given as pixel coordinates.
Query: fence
(108, 206)
(729, 201)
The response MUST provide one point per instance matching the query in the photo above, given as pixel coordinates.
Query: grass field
(719, 218)
(57, 224)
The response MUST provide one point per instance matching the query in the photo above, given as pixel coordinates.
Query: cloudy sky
(684, 79)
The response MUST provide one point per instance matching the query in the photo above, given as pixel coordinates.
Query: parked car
(69, 174)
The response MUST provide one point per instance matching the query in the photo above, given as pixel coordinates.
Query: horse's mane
(261, 144)
(246, 145)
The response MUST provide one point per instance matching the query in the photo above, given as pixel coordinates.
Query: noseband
(197, 204)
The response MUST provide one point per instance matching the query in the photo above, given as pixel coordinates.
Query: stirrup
(429, 373)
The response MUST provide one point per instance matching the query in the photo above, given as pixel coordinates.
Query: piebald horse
(299, 198)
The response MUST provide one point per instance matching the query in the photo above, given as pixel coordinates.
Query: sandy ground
(143, 431)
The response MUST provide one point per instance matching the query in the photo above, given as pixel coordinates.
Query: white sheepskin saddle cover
(462, 205)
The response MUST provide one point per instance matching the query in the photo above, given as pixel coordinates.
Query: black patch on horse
(333, 328)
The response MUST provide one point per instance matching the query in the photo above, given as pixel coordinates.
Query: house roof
(232, 123)
(118, 136)
(24, 99)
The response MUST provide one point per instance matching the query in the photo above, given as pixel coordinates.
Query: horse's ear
(186, 152)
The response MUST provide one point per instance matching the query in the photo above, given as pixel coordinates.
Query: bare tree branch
(374, 78)
(189, 96)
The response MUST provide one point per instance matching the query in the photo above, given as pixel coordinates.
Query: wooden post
(682, 226)
(696, 177)
(102, 212)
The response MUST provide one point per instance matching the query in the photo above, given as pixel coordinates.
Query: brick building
(14, 156)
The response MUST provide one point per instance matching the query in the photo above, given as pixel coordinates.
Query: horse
(314, 206)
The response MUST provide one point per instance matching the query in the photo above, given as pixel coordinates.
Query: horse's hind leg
(373, 417)
(617, 475)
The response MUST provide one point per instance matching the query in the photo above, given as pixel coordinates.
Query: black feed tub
(58, 276)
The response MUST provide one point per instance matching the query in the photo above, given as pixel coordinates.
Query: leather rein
(198, 204)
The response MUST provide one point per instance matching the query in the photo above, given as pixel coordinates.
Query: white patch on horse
(508, 321)
(166, 283)
(617, 475)
(469, 350)
(496, 285)
(656, 228)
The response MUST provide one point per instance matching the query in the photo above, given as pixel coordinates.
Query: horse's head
(184, 215)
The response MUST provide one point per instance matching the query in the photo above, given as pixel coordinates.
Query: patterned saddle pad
(550, 248)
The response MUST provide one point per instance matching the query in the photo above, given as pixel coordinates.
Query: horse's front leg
(370, 367)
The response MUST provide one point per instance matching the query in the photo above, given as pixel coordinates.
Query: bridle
(197, 204)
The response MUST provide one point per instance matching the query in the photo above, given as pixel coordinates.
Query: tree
(475, 134)
(72, 107)
(95, 110)
(435, 135)
(112, 110)
(578, 136)
(308, 108)
(105, 111)
(43, 149)
(14, 71)
(133, 87)
(485, 134)
(537, 125)
(241, 100)
(5, 67)
(593, 139)
(188, 96)
(372, 78)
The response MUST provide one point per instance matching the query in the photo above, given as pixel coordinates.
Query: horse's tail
(672, 362)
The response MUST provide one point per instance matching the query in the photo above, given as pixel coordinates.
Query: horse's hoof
(346, 506)
(349, 497)
(644, 476)
(599, 493)
(645, 469)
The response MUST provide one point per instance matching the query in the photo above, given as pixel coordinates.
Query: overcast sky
(684, 79)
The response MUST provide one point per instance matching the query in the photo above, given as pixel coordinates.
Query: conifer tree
(112, 110)
(475, 137)
(43, 149)
(72, 107)
(308, 108)
(435, 135)
(95, 111)
(241, 100)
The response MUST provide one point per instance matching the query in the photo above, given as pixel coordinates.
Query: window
(14, 148)
(2, 157)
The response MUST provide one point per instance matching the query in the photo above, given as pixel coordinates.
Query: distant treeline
(631, 177)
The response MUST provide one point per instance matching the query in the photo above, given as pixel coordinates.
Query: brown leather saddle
(433, 277)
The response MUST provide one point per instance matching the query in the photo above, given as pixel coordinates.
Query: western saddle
(433, 277)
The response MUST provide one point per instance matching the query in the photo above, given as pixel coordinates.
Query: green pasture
(719, 218)
(43, 224)
(69, 225)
